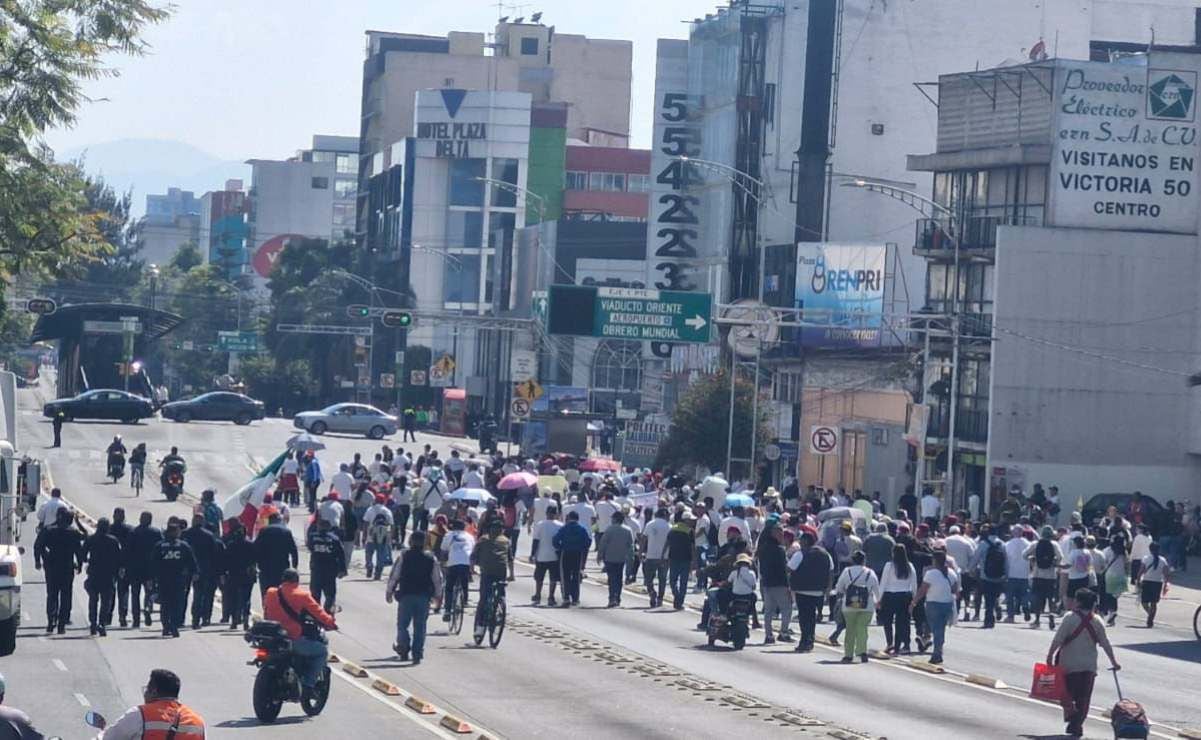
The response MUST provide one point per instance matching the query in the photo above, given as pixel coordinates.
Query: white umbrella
(471, 494)
(305, 442)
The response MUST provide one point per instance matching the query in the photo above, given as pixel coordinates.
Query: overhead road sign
(631, 313)
(238, 341)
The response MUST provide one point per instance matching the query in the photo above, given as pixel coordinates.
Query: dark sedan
(1096, 507)
(215, 406)
(101, 404)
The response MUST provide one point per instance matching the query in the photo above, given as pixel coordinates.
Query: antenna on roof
(536, 17)
(503, 19)
(520, 19)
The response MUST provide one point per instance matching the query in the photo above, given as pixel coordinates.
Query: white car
(352, 418)
(10, 597)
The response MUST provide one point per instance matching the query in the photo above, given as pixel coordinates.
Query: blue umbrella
(738, 499)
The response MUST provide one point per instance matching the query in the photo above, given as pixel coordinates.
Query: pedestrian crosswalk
(153, 456)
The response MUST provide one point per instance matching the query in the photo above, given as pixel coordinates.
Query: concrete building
(1067, 206)
(223, 231)
(590, 77)
(609, 183)
(172, 219)
(164, 208)
(310, 195)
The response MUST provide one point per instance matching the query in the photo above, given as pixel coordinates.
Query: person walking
(57, 424)
(1153, 582)
(859, 590)
(1112, 580)
(102, 553)
(939, 590)
(60, 549)
(1074, 649)
(897, 586)
(327, 563)
(773, 575)
(238, 572)
(615, 549)
(120, 529)
(572, 542)
(680, 554)
(989, 563)
(173, 564)
(544, 557)
(274, 552)
(1046, 557)
(409, 422)
(142, 542)
(206, 547)
(414, 582)
(811, 574)
(1017, 576)
(654, 551)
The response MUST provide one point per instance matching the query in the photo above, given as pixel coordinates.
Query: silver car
(352, 418)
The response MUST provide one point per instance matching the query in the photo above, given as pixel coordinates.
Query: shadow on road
(253, 722)
(1189, 650)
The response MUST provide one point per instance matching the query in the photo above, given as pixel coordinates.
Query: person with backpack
(859, 592)
(1046, 557)
(1074, 649)
(430, 493)
(377, 521)
(1154, 582)
(991, 566)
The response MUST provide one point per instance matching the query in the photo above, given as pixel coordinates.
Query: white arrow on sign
(696, 322)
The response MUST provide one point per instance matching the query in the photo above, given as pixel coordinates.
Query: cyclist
(492, 556)
(456, 547)
(137, 467)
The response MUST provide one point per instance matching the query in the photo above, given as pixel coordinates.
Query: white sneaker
(479, 631)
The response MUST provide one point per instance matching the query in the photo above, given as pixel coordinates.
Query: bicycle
(1197, 623)
(136, 476)
(494, 619)
(457, 607)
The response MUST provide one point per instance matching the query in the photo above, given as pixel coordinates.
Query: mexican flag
(244, 504)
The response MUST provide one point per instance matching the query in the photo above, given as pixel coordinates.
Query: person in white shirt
(859, 591)
(606, 507)
(961, 554)
(456, 550)
(330, 510)
(1154, 582)
(1017, 578)
(432, 491)
(930, 507)
(1112, 577)
(898, 583)
(455, 467)
(376, 464)
(743, 580)
(1140, 548)
(654, 553)
(541, 504)
(473, 478)
(737, 519)
(543, 554)
(48, 512)
(342, 482)
(940, 587)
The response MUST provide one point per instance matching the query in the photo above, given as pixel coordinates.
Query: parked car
(1096, 507)
(352, 418)
(215, 406)
(10, 597)
(101, 404)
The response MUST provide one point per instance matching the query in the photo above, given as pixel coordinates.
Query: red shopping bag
(1048, 683)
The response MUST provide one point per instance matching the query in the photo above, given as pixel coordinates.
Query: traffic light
(358, 311)
(396, 319)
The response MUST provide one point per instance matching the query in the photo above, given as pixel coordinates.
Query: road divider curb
(354, 669)
(1193, 733)
(878, 655)
(334, 659)
(986, 681)
(454, 724)
(927, 667)
(420, 706)
(385, 687)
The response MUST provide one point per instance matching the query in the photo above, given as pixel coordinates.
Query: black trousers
(123, 586)
(139, 599)
(894, 614)
(310, 496)
(541, 570)
(101, 592)
(421, 520)
(202, 598)
(58, 596)
(236, 600)
(571, 563)
(616, 574)
(807, 608)
(171, 601)
(400, 520)
(324, 587)
(268, 580)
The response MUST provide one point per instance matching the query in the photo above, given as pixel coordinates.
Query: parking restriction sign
(520, 408)
(823, 440)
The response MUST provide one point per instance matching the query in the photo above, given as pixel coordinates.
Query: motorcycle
(116, 465)
(732, 626)
(278, 679)
(172, 479)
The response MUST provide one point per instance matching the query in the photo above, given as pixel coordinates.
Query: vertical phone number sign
(673, 260)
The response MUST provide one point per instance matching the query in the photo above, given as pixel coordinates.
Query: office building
(223, 230)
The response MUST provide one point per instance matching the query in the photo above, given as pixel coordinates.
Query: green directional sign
(630, 313)
(237, 341)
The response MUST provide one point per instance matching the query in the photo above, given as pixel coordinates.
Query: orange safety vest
(167, 719)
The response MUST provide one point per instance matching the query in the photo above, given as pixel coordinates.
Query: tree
(186, 257)
(289, 386)
(116, 267)
(701, 423)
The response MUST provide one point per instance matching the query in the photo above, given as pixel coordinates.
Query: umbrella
(305, 442)
(713, 486)
(738, 499)
(471, 494)
(600, 464)
(520, 479)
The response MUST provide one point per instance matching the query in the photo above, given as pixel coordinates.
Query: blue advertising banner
(842, 287)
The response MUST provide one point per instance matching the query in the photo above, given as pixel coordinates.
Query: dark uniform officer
(207, 549)
(57, 423)
(138, 566)
(327, 563)
(122, 531)
(274, 552)
(174, 565)
(237, 573)
(102, 552)
(60, 549)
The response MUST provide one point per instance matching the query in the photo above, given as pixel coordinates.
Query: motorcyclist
(116, 453)
(173, 459)
(102, 552)
(327, 562)
(173, 564)
(137, 566)
(289, 604)
(207, 550)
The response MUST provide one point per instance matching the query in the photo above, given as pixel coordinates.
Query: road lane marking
(59, 665)
(398, 708)
(83, 700)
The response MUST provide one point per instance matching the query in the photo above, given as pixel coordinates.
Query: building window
(461, 279)
(345, 164)
(344, 214)
(465, 229)
(610, 181)
(504, 170)
(529, 47)
(577, 180)
(322, 157)
(638, 183)
(617, 366)
(344, 188)
(466, 182)
(320, 183)
(787, 387)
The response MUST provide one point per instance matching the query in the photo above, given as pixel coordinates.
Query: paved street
(619, 673)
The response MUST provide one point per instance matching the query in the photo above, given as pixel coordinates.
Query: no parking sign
(823, 440)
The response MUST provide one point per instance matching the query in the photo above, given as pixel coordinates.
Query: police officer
(327, 563)
(60, 549)
(138, 571)
(206, 547)
(174, 564)
(122, 531)
(102, 552)
(237, 575)
(274, 552)
(57, 423)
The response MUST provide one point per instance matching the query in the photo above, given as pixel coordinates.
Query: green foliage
(186, 257)
(700, 424)
(117, 266)
(288, 386)
(208, 304)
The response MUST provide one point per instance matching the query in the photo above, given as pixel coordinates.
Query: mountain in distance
(150, 166)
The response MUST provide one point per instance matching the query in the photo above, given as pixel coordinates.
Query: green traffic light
(406, 319)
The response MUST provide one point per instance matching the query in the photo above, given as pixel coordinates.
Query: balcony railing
(974, 232)
(971, 425)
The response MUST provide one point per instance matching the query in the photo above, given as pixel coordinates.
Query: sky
(241, 79)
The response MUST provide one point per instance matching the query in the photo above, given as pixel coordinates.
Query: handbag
(1048, 683)
(309, 629)
(856, 597)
